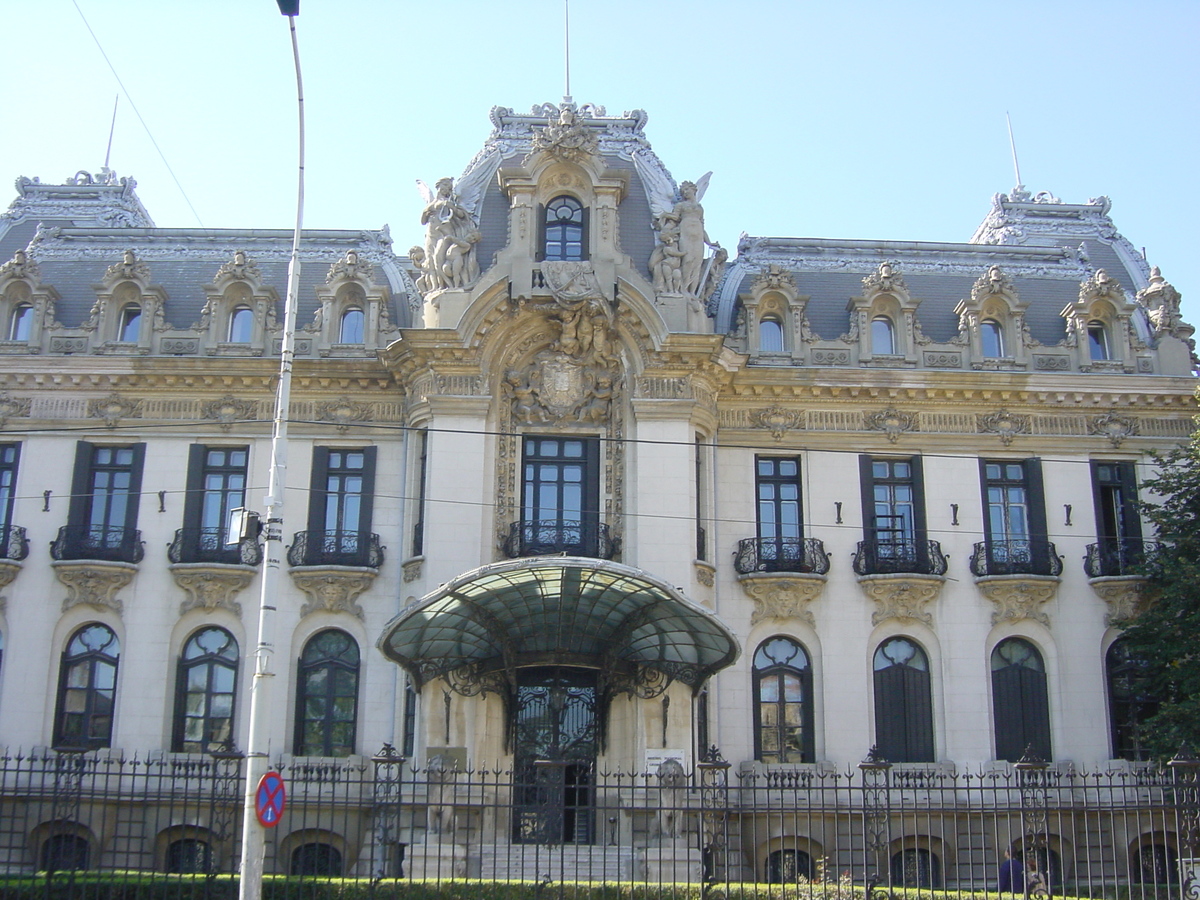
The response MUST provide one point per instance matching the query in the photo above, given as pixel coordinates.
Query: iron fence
(877, 828)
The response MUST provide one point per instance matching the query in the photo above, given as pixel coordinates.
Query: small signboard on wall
(655, 758)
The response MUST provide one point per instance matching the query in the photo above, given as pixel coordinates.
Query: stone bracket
(782, 595)
(94, 582)
(901, 596)
(1019, 596)
(333, 588)
(1124, 595)
(8, 571)
(212, 585)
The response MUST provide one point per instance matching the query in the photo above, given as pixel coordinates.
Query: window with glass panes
(327, 695)
(206, 687)
(783, 702)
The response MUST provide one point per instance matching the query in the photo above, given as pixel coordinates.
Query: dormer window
(991, 339)
(1098, 341)
(130, 326)
(564, 230)
(770, 336)
(351, 328)
(883, 336)
(241, 325)
(21, 323)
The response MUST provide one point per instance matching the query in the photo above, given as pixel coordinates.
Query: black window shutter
(1022, 712)
(1039, 539)
(368, 495)
(135, 488)
(983, 496)
(539, 253)
(1133, 519)
(584, 248)
(81, 485)
(920, 715)
(922, 534)
(866, 480)
(192, 500)
(317, 498)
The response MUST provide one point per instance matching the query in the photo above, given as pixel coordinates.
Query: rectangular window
(1119, 545)
(10, 454)
(340, 507)
(106, 488)
(408, 749)
(560, 496)
(1015, 518)
(779, 522)
(893, 517)
(216, 484)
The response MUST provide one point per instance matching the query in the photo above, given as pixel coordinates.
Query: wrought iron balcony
(890, 556)
(1015, 557)
(207, 545)
(110, 543)
(1118, 557)
(14, 545)
(546, 537)
(781, 555)
(335, 548)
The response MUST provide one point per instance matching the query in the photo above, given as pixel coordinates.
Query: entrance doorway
(555, 727)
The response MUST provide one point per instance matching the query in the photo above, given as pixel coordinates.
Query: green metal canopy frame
(639, 632)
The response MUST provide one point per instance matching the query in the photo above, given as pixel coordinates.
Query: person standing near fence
(1012, 874)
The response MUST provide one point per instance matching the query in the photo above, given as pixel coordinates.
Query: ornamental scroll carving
(1124, 595)
(567, 139)
(891, 422)
(782, 596)
(113, 408)
(1018, 597)
(1114, 427)
(343, 413)
(901, 597)
(777, 420)
(333, 589)
(13, 408)
(211, 587)
(94, 583)
(229, 409)
(1003, 423)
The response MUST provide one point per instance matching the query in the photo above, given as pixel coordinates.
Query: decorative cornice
(1018, 597)
(782, 595)
(902, 597)
(333, 588)
(93, 583)
(211, 585)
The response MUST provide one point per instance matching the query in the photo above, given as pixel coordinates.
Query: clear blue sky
(830, 119)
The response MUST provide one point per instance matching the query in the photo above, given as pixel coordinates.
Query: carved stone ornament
(1161, 301)
(571, 282)
(13, 408)
(705, 573)
(8, 571)
(774, 278)
(1115, 428)
(1101, 287)
(94, 583)
(567, 139)
(556, 388)
(891, 422)
(343, 413)
(1018, 597)
(903, 597)
(229, 409)
(351, 267)
(1125, 596)
(1003, 423)
(333, 588)
(777, 420)
(21, 266)
(885, 280)
(779, 596)
(210, 586)
(129, 267)
(992, 283)
(113, 408)
(241, 267)
(412, 569)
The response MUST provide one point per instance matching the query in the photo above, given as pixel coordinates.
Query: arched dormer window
(1098, 346)
(991, 339)
(564, 230)
(883, 336)
(241, 325)
(129, 327)
(350, 330)
(770, 335)
(21, 323)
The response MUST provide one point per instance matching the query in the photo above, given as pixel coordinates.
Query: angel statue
(682, 218)
(450, 237)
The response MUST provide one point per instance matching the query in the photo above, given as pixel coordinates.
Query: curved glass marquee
(558, 611)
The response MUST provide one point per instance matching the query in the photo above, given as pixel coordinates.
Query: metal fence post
(876, 813)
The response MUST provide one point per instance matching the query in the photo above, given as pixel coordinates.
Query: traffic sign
(270, 799)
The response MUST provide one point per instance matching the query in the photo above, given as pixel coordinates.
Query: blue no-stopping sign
(270, 799)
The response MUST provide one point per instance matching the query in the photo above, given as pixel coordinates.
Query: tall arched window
(564, 229)
(87, 688)
(205, 688)
(1097, 335)
(130, 326)
(883, 336)
(21, 323)
(916, 868)
(351, 328)
(241, 325)
(770, 335)
(327, 695)
(903, 704)
(783, 713)
(1019, 702)
(787, 866)
(991, 337)
(1129, 701)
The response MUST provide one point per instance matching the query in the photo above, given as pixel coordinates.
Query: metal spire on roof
(1013, 145)
(567, 50)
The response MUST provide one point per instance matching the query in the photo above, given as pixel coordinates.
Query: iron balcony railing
(14, 545)
(1015, 557)
(112, 543)
(895, 556)
(546, 537)
(781, 555)
(207, 545)
(1118, 557)
(335, 548)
